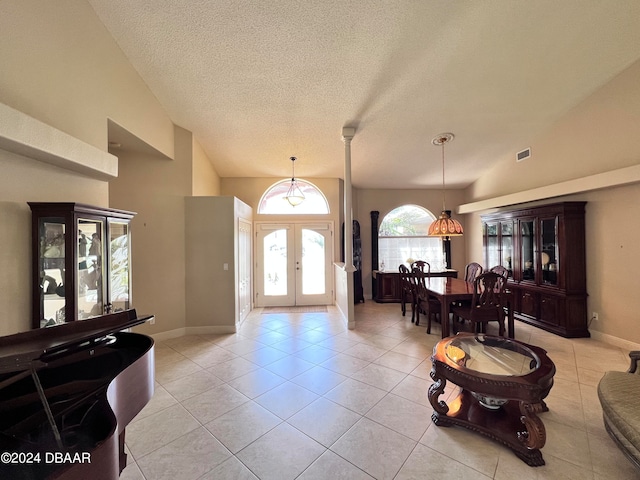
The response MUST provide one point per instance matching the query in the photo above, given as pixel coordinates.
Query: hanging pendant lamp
(294, 195)
(444, 225)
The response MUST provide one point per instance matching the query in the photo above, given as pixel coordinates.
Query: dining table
(448, 290)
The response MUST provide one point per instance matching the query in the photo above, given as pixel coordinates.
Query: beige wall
(155, 187)
(61, 66)
(386, 200)
(598, 135)
(210, 293)
(24, 180)
(212, 242)
(205, 179)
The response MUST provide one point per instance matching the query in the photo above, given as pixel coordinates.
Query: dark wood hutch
(81, 264)
(543, 249)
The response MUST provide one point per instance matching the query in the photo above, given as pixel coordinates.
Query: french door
(293, 264)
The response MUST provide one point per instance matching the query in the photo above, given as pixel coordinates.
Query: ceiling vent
(523, 155)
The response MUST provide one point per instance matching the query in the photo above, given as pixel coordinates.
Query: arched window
(273, 201)
(403, 238)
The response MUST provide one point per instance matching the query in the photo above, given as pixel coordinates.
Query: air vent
(523, 155)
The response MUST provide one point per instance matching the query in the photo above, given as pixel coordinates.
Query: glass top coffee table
(503, 384)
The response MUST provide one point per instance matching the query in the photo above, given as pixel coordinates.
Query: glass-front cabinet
(81, 262)
(544, 250)
(498, 244)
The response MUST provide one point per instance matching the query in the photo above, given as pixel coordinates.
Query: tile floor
(298, 395)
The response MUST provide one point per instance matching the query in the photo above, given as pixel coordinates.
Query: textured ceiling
(260, 81)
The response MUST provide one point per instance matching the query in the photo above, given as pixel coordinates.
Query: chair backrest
(487, 296)
(422, 266)
(417, 278)
(406, 282)
(500, 270)
(471, 271)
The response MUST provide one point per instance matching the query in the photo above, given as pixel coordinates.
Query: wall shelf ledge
(29, 137)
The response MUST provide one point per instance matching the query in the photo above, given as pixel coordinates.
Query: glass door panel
(549, 255)
(275, 273)
(507, 245)
(52, 271)
(527, 264)
(493, 249)
(119, 268)
(313, 271)
(275, 263)
(314, 282)
(90, 289)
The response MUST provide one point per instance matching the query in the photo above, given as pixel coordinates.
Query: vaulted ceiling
(260, 81)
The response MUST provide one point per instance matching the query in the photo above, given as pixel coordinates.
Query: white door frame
(244, 298)
(294, 263)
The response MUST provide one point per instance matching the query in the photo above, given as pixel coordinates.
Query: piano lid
(33, 349)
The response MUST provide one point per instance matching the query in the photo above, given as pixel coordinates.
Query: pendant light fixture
(444, 225)
(294, 195)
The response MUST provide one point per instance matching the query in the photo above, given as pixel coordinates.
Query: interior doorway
(293, 264)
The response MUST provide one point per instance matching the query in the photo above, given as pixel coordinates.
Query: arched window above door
(403, 237)
(274, 203)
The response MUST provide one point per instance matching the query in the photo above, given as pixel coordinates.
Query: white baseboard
(181, 332)
(611, 340)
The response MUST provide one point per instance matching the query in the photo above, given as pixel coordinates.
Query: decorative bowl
(492, 403)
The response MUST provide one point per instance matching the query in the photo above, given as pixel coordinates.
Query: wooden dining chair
(425, 303)
(500, 270)
(422, 266)
(471, 271)
(407, 291)
(486, 305)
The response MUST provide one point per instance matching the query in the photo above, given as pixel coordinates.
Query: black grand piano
(66, 395)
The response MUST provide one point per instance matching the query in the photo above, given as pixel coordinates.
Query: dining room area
(532, 268)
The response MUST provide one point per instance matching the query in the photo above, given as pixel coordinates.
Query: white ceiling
(260, 81)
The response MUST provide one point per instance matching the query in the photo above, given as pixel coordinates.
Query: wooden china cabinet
(543, 248)
(81, 262)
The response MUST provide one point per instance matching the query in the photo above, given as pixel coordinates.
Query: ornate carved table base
(511, 416)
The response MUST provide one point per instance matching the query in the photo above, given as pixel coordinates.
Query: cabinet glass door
(527, 237)
(119, 267)
(90, 275)
(493, 246)
(52, 271)
(549, 255)
(507, 245)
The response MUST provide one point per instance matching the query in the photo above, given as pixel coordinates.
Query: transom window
(274, 203)
(402, 238)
